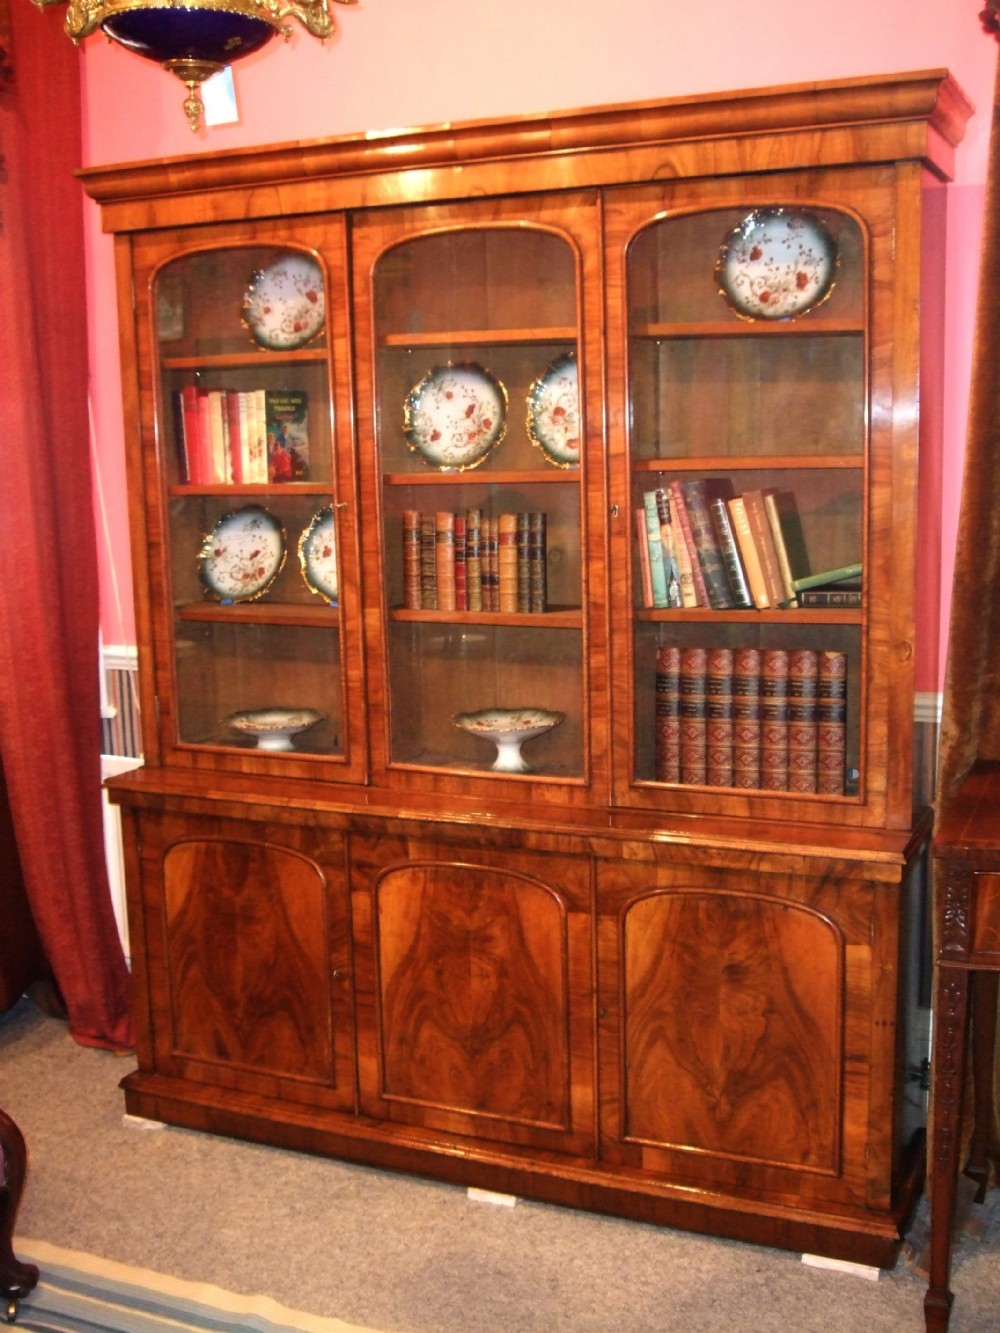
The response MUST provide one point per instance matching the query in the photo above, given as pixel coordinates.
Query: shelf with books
(246, 429)
(776, 715)
(744, 538)
(756, 719)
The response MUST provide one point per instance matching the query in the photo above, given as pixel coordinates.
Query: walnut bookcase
(583, 983)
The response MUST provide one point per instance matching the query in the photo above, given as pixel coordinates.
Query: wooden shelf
(243, 360)
(750, 329)
(749, 463)
(287, 488)
(317, 614)
(479, 337)
(563, 617)
(853, 615)
(526, 476)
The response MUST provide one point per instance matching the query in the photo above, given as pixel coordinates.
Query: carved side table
(967, 915)
(16, 1279)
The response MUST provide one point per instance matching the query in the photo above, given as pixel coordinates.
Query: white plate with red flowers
(284, 306)
(456, 416)
(554, 412)
(778, 263)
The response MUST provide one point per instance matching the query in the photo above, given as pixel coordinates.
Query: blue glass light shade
(212, 35)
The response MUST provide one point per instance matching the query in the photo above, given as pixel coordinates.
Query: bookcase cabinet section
(665, 965)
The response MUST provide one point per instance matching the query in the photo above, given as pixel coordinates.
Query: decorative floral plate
(242, 555)
(283, 305)
(508, 729)
(777, 264)
(455, 416)
(554, 412)
(273, 728)
(318, 554)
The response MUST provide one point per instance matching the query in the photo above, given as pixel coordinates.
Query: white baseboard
(110, 765)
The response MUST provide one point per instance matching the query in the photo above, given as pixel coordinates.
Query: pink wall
(403, 63)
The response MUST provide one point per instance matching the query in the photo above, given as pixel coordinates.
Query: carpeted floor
(79, 1293)
(402, 1255)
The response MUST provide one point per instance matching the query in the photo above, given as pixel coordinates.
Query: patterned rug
(79, 1293)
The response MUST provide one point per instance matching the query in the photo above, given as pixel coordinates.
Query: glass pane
(478, 421)
(252, 558)
(748, 450)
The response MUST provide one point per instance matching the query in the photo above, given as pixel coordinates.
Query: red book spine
(803, 671)
(232, 404)
(719, 717)
(461, 587)
(831, 723)
(746, 718)
(668, 718)
(645, 573)
(774, 720)
(694, 756)
(411, 560)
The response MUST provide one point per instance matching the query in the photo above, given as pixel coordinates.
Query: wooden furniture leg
(985, 987)
(948, 1081)
(16, 1279)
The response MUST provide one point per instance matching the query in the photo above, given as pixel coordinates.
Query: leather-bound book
(411, 560)
(719, 717)
(667, 736)
(444, 559)
(507, 562)
(538, 592)
(803, 672)
(774, 719)
(831, 723)
(694, 757)
(473, 559)
(746, 718)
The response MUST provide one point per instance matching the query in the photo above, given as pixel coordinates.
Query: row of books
(764, 719)
(702, 546)
(240, 436)
(471, 561)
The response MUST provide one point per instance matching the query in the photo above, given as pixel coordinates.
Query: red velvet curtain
(49, 688)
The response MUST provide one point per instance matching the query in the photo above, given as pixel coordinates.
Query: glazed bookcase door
(254, 659)
(758, 709)
(475, 460)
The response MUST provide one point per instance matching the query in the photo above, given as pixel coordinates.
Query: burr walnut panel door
(736, 1023)
(251, 947)
(481, 1015)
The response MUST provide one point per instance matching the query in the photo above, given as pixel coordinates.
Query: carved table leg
(947, 1080)
(984, 1031)
(16, 1279)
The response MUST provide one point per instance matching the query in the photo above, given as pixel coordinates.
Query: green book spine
(654, 539)
(828, 576)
